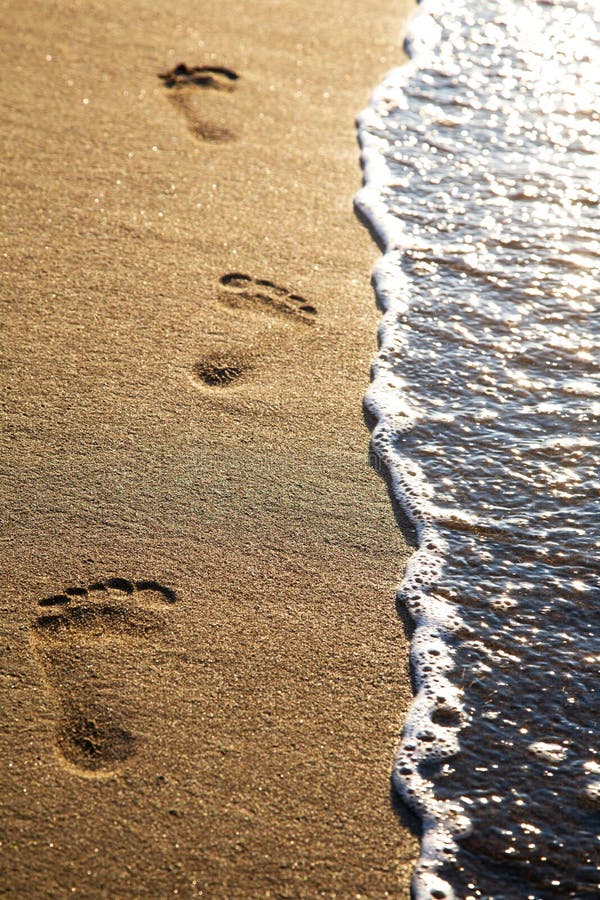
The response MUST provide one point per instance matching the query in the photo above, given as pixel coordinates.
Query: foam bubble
(551, 752)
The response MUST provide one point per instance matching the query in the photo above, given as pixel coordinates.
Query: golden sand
(207, 701)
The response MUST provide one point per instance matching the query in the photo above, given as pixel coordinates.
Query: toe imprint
(216, 77)
(240, 289)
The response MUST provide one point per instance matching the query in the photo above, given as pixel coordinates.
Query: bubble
(592, 792)
(554, 753)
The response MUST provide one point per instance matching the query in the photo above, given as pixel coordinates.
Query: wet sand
(207, 701)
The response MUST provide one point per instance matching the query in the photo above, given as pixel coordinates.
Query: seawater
(482, 173)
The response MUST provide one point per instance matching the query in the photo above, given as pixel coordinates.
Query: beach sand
(217, 715)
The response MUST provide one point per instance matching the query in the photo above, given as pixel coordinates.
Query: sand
(206, 702)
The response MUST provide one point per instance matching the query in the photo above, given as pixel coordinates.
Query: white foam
(547, 750)
(427, 736)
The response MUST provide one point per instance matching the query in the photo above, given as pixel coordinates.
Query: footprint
(186, 83)
(85, 640)
(220, 371)
(242, 290)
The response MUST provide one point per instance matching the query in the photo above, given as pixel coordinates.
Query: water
(482, 174)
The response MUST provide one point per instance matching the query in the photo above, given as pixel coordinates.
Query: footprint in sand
(220, 371)
(87, 641)
(243, 290)
(193, 90)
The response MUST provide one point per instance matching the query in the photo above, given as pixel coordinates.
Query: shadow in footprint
(243, 290)
(82, 640)
(185, 85)
(219, 372)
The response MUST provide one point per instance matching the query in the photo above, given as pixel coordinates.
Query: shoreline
(189, 330)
